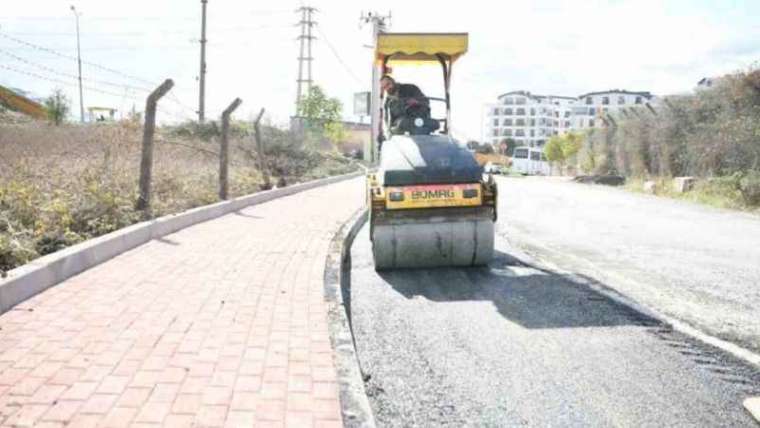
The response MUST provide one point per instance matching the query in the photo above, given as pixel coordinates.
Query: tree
(553, 150)
(322, 115)
(57, 105)
(508, 146)
(561, 148)
(571, 144)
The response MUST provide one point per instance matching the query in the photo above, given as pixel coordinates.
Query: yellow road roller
(430, 203)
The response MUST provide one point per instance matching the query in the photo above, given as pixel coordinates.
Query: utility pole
(379, 25)
(202, 78)
(306, 23)
(79, 60)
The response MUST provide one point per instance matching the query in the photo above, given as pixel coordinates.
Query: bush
(713, 132)
(57, 106)
(62, 185)
(749, 186)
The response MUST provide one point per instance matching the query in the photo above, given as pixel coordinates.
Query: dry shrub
(62, 185)
(714, 132)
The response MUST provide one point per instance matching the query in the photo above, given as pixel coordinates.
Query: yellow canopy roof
(420, 47)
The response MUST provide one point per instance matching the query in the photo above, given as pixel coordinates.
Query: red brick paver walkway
(220, 324)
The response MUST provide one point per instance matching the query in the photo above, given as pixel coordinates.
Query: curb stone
(40, 274)
(753, 407)
(355, 406)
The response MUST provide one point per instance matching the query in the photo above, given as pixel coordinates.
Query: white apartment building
(531, 119)
(528, 119)
(591, 107)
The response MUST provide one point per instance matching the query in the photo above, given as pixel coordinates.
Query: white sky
(552, 46)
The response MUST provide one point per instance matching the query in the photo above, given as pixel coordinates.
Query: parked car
(494, 168)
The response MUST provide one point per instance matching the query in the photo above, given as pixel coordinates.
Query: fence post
(224, 152)
(260, 151)
(146, 163)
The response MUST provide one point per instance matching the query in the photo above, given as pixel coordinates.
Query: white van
(531, 161)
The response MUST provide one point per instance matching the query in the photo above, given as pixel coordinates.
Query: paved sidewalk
(220, 324)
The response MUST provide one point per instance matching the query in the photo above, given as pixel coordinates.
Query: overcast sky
(546, 47)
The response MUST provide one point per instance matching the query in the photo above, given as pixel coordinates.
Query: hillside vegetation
(62, 185)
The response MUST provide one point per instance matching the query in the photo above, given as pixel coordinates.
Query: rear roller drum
(448, 243)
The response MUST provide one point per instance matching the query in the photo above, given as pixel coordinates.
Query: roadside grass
(62, 185)
(719, 192)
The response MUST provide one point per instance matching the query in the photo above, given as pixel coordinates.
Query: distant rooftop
(645, 94)
(528, 94)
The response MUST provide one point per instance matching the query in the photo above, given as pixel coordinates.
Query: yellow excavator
(21, 104)
(430, 203)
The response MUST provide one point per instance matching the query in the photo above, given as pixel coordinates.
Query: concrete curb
(752, 405)
(26, 281)
(355, 406)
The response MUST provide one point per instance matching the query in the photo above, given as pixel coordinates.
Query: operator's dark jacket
(395, 103)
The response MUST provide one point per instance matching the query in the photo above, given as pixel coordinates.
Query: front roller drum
(437, 242)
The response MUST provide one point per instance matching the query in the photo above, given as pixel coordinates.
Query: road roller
(429, 201)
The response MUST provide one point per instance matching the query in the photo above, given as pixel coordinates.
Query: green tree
(57, 105)
(571, 143)
(554, 150)
(321, 115)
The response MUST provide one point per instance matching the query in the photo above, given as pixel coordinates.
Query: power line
(60, 73)
(98, 66)
(338, 57)
(123, 97)
(61, 82)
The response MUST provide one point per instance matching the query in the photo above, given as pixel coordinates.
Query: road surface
(695, 263)
(519, 344)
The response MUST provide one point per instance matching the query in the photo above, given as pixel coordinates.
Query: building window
(532, 133)
(567, 124)
(519, 101)
(507, 122)
(508, 111)
(507, 133)
(519, 132)
(509, 100)
(542, 121)
(621, 99)
(589, 101)
(605, 100)
(638, 100)
(604, 110)
(496, 112)
(533, 122)
(532, 112)
(496, 122)
(591, 123)
(520, 122)
(520, 112)
(567, 113)
(556, 114)
(591, 111)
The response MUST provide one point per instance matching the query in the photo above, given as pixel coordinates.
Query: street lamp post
(79, 60)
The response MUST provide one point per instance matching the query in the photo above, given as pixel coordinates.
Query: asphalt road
(518, 344)
(694, 263)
